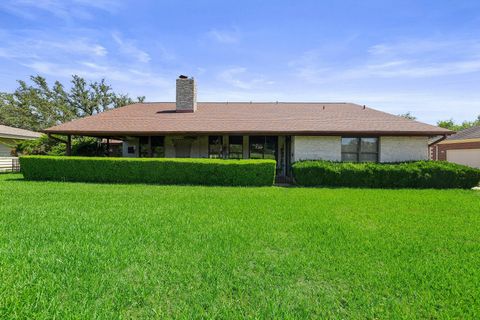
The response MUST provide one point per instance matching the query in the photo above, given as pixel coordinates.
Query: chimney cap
(182, 76)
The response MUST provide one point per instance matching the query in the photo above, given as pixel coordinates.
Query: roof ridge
(256, 102)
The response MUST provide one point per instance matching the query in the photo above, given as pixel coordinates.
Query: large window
(152, 147)
(360, 149)
(215, 147)
(144, 145)
(158, 147)
(235, 147)
(263, 147)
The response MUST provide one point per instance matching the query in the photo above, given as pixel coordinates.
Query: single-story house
(10, 137)
(284, 131)
(462, 148)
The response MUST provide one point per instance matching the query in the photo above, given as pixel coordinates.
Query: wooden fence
(9, 164)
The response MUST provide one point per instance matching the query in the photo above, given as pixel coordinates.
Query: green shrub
(81, 146)
(148, 170)
(418, 174)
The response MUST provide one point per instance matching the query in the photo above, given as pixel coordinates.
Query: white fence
(9, 164)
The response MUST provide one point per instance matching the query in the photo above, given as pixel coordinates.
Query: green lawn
(74, 250)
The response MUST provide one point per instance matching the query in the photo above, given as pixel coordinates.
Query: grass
(74, 250)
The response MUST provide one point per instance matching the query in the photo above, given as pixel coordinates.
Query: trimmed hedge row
(148, 170)
(418, 174)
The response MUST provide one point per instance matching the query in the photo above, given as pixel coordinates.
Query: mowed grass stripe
(73, 250)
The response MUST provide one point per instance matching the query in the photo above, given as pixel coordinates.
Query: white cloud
(239, 78)
(129, 48)
(22, 46)
(224, 36)
(66, 10)
(91, 70)
(398, 60)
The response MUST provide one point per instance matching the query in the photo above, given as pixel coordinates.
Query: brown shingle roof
(11, 132)
(469, 133)
(247, 118)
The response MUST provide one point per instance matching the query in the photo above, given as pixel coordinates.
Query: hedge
(418, 174)
(149, 170)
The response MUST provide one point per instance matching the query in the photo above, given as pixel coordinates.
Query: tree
(408, 115)
(39, 106)
(451, 125)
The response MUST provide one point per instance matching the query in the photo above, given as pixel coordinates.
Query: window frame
(359, 151)
(264, 144)
(236, 144)
(210, 153)
(153, 144)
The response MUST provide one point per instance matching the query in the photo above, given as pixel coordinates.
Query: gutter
(438, 140)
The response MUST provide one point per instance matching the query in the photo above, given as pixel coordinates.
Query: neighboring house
(285, 131)
(10, 137)
(462, 147)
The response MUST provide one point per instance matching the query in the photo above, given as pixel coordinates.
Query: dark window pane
(368, 157)
(256, 155)
(369, 145)
(235, 147)
(257, 145)
(235, 140)
(235, 155)
(158, 147)
(215, 144)
(270, 147)
(350, 157)
(349, 144)
(131, 150)
(144, 147)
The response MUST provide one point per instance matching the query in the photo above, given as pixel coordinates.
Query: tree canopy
(450, 124)
(37, 106)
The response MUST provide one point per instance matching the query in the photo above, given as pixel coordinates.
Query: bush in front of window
(417, 174)
(150, 170)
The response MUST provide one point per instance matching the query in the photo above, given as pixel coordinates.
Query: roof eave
(106, 133)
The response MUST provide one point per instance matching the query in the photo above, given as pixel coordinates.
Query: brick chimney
(186, 94)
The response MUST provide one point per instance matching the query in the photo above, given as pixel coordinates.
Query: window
(235, 147)
(144, 145)
(360, 149)
(263, 147)
(131, 150)
(215, 146)
(152, 147)
(158, 147)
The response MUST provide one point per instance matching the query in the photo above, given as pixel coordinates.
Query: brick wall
(439, 151)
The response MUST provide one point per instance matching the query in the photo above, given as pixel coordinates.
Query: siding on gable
(397, 149)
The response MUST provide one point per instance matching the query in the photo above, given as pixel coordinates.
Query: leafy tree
(39, 106)
(408, 115)
(450, 124)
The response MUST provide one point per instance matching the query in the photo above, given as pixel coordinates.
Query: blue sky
(396, 56)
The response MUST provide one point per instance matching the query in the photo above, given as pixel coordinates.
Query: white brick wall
(394, 149)
(317, 148)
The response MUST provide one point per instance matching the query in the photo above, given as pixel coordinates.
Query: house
(10, 137)
(284, 131)
(462, 147)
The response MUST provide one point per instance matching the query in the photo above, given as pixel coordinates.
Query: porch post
(108, 147)
(69, 145)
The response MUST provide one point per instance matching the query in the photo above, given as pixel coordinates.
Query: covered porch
(276, 147)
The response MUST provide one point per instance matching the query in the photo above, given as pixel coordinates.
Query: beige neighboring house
(10, 137)
(462, 148)
(284, 131)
